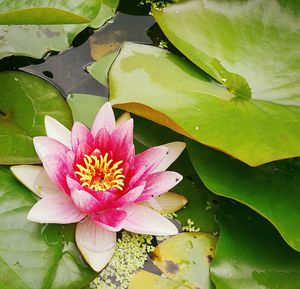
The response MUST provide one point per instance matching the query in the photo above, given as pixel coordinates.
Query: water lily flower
(93, 178)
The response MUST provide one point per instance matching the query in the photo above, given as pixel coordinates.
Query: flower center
(100, 173)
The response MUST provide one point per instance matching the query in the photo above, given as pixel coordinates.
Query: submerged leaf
(251, 254)
(271, 189)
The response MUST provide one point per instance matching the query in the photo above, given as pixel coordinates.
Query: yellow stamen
(100, 173)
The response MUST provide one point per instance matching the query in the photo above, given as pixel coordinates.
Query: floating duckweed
(163, 44)
(130, 254)
(190, 227)
(158, 4)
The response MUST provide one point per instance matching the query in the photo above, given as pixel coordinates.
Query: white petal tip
(174, 151)
(27, 175)
(57, 131)
(97, 261)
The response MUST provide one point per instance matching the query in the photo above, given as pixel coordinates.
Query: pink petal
(111, 219)
(95, 243)
(81, 134)
(56, 168)
(143, 220)
(46, 146)
(81, 150)
(57, 208)
(175, 149)
(57, 131)
(122, 141)
(145, 163)
(129, 197)
(82, 199)
(103, 141)
(159, 183)
(53, 154)
(104, 119)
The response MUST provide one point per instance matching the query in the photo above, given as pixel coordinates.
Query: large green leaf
(35, 256)
(48, 12)
(29, 252)
(272, 189)
(24, 101)
(36, 40)
(72, 272)
(240, 45)
(250, 253)
(171, 91)
(184, 259)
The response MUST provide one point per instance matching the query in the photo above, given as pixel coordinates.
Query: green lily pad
(184, 259)
(29, 251)
(171, 91)
(251, 254)
(48, 12)
(24, 101)
(271, 189)
(31, 254)
(99, 69)
(85, 107)
(18, 39)
(72, 272)
(31, 40)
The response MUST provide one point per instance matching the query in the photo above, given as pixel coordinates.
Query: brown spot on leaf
(210, 258)
(171, 267)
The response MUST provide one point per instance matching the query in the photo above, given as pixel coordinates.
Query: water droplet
(16, 79)
(224, 79)
(197, 127)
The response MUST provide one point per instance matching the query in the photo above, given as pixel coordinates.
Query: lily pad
(72, 272)
(184, 259)
(251, 254)
(25, 100)
(85, 107)
(18, 39)
(171, 91)
(271, 189)
(31, 254)
(48, 12)
(146, 280)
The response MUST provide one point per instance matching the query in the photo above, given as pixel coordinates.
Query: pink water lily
(93, 178)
